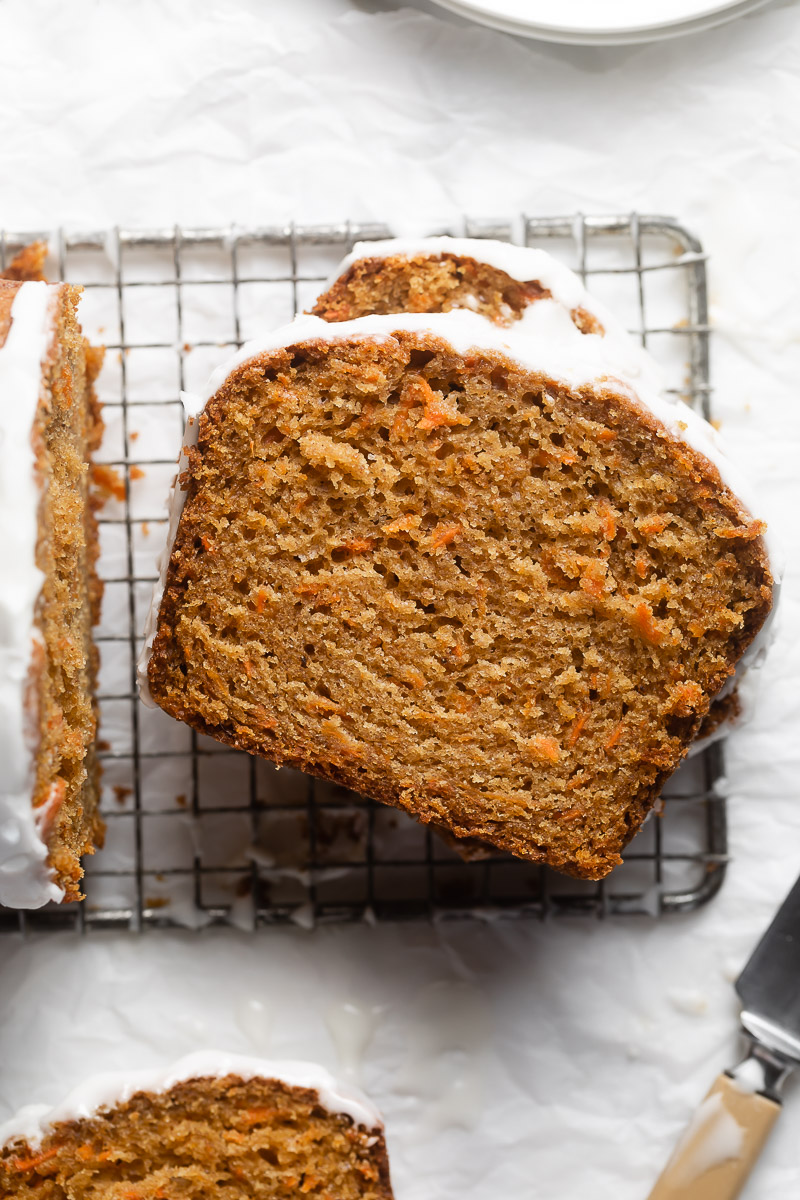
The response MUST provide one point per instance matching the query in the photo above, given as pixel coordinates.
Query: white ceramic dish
(587, 22)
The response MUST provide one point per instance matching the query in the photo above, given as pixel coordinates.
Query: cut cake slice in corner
(460, 571)
(211, 1124)
(49, 595)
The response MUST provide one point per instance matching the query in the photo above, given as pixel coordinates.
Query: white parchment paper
(541, 1061)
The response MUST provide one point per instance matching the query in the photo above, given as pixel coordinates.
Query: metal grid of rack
(200, 834)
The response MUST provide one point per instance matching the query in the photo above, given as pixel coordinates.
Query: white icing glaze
(749, 1076)
(558, 352)
(111, 1088)
(352, 1028)
(25, 879)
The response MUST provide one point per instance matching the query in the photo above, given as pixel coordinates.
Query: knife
(719, 1148)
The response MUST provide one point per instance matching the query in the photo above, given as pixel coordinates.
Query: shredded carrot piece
(606, 435)
(108, 481)
(414, 677)
(577, 728)
(359, 545)
(544, 748)
(261, 715)
(367, 416)
(86, 1151)
(696, 629)
(578, 781)
(443, 535)
(321, 704)
(685, 698)
(415, 393)
(36, 1160)
(339, 735)
(255, 1116)
(314, 589)
(593, 579)
(746, 532)
(207, 543)
(261, 600)
(608, 525)
(640, 566)
(615, 736)
(402, 524)
(645, 624)
(571, 814)
(437, 410)
(248, 668)
(419, 301)
(653, 525)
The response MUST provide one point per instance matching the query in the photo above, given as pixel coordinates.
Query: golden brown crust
(569, 586)
(435, 283)
(204, 1137)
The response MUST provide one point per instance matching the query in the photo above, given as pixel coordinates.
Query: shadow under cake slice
(49, 592)
(459, 572)
(212, 1124)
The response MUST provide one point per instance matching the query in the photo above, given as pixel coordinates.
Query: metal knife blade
(769, 985)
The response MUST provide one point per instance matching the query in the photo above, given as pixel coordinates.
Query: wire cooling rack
(201, 834)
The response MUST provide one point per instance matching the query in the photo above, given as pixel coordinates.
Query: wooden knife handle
(719, 1148)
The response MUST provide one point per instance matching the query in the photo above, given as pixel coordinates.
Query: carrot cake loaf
(459, 569)
(49, 595)
(212, 1124)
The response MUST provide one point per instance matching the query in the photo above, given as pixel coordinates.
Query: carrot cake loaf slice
(461, 570)
(49, 595)
(211, 1125)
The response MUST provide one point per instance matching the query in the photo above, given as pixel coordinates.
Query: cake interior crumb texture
(203, 1138)
(457, 587)
(68, 428)
(432, 284)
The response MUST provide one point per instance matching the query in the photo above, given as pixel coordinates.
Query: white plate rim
(488, 14)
